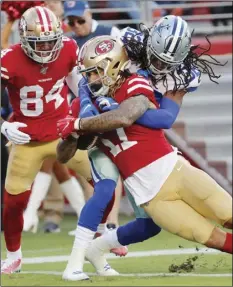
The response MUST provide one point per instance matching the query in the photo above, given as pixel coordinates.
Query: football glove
(65, 126)
(106, 104)
(87, 109)
(12, 133)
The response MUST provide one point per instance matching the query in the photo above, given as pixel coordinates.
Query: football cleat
(51, 227)
(74, 275)
(97, 259)
(10, 266)
(119, 251)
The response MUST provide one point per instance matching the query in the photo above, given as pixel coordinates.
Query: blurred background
(203, 131)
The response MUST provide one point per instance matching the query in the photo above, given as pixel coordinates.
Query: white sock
(83, 238)
(107, 241)
(74, 193)
(14, 255)
(39, 190)
(102, 228)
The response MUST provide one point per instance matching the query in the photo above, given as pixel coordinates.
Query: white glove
(10, 130)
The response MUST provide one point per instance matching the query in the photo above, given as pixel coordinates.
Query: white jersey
(194, 82)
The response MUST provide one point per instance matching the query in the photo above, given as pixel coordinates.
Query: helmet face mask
(106, 57)
(96, 83)
(168, 44)
(31, 48)
(159, 66)
(40, 35)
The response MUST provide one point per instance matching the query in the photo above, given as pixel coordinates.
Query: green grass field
(199, 269)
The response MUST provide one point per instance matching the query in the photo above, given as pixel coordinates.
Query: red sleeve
(75, 107)
(136, 85)
(7, 65)
(73, 50)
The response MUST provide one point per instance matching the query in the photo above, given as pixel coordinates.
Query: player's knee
(13, 188)
(19, 178)
(225, 214)
(197, 234)
(216, 239)
(47, 165)
(221, 203)
(106, 187)
(16, 201)
(103, 193)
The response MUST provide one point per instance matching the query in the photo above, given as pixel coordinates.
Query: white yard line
(140, 274)
(163, 252)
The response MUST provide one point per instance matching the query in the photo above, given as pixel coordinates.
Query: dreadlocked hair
(123, 76)
(202, 61)
(197, 57)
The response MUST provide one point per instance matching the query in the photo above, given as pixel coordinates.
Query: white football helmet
(168, 44)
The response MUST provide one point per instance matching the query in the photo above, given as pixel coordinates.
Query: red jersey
(38, 94)
(134, 147)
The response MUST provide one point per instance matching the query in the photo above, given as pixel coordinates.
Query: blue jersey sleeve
(162, 118)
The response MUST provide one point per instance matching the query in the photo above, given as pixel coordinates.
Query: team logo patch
(43, 70)
(160, 27)
(104, 47)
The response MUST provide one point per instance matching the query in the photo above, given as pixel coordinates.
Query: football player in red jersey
(36, 73)
(166, 186)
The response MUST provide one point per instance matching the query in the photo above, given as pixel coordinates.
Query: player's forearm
(177, 96)
(127, 113)
(66, 149)
(162, 118)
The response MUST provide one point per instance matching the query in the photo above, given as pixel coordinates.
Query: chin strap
(101, 92)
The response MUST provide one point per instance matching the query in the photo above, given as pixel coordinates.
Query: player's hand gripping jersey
(38, 93)
(136, 146)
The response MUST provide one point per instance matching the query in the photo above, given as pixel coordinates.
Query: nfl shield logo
(43, 70)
